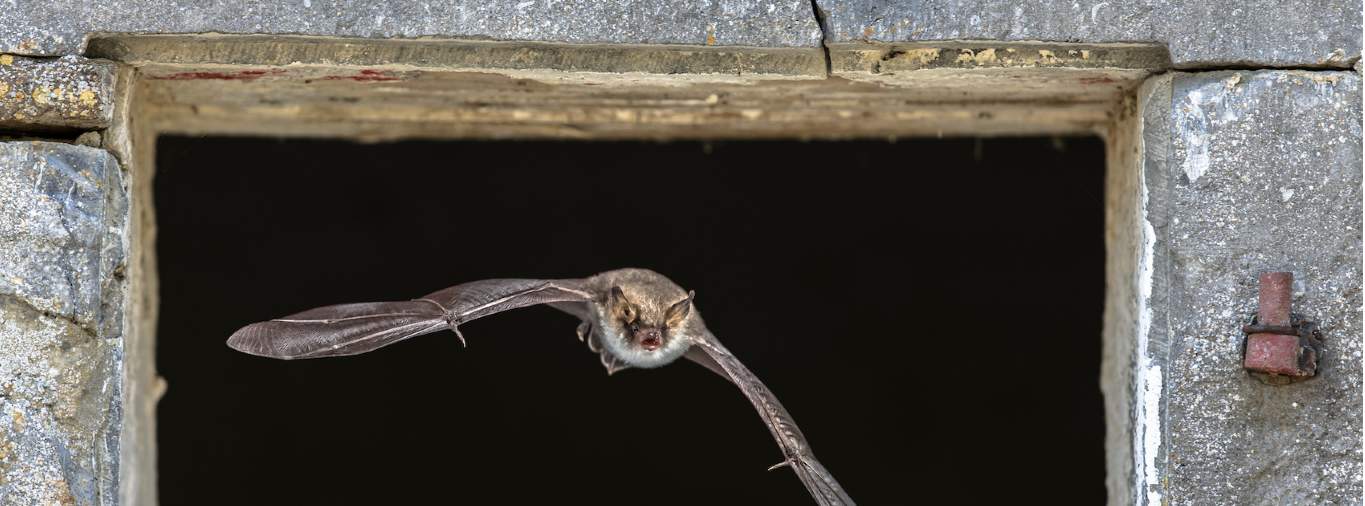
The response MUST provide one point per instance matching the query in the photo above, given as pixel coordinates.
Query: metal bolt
(1277, 288)
(1279, 348)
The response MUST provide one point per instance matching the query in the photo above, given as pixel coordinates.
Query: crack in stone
(1259, 68)
(85, 329)
(822, 21)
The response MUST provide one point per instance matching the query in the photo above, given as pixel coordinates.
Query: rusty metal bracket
(1281, 347)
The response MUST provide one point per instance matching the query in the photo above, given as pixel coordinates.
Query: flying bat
(631, 317)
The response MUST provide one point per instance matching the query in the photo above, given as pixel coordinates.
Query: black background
(928, 310)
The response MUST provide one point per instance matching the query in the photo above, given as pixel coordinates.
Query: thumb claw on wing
(460, 335)
(780, 464)
(612, 364)
(606, 362)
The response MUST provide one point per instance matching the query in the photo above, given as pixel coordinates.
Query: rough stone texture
(62, 215)
(66, 93)
(1015, 72)
(60, 26)
(282, 50)
(1254, 171)
(1240, 172)
(893, 58)
(1200, 33)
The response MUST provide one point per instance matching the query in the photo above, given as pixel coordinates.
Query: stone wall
(1200, 34)
(63, 209)
(1249, 159)
(61, 322)
(1248, 172)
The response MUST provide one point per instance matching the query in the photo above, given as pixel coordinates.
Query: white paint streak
(1193, 129)
(1203, 111)
(1151, 431)
(1096, 10)
(1147, 433)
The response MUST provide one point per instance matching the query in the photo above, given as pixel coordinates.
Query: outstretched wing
(349, 329)
(796, 452)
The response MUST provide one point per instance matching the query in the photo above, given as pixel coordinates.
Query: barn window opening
(929, 310)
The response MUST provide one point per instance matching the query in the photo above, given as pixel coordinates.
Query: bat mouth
(651, 343)
(649, 339)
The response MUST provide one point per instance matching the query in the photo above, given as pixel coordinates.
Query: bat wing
(796, 452)
(349, 329)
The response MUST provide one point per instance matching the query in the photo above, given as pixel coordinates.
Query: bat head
(644, 328)
(647, 326)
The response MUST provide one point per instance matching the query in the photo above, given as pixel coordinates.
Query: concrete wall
(1248, 159)
(1247, 172)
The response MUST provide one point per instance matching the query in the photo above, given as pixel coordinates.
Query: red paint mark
(1096, 80)
(242, 75)
(367, 75)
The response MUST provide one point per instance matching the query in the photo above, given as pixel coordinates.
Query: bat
(630, 317)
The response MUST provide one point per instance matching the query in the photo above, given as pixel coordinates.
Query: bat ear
(677, 312)
(620, 306)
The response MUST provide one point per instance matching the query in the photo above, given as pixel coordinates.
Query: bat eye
(634, 327)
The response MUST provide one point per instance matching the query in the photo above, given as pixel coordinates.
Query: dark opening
(929, 311)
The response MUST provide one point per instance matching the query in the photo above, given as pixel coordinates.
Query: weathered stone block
(60, 26)
(1198, 32)
(66, 93)
(1254, 171)
(62, 246)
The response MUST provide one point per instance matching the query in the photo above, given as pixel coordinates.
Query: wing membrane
(350, 329)
(477, 299)
(334, 331)
(795, 450)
